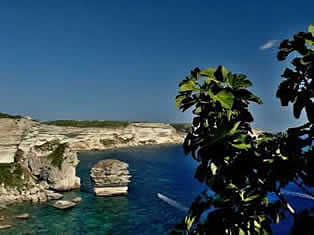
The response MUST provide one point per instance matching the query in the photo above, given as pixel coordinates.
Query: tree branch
(286, 203)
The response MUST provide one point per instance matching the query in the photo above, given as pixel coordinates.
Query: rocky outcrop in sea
(110, 177)
(37, 160)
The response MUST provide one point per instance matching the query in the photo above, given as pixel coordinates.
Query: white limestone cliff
(27, 150)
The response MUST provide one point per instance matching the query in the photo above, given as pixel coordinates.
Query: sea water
(162, 187)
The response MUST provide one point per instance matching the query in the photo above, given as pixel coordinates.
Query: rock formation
(5, 226)
(23, 216)
(36, 158)
(63, 204)
(51, 195)
(77, 199)
(110, 177)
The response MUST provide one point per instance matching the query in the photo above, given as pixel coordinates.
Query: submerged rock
(5, 226)
(77, 199)
(63, 204)
(23, 216)
(53, 195)
(110, 177)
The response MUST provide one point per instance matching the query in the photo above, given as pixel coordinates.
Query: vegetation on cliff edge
(11, 175)
(87, 123)
(56, 156)
(5, 115)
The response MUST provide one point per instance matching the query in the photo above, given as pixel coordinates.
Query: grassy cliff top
(91, 123)
(182, 127)
(5, 115)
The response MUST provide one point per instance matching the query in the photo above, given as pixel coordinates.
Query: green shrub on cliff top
(5, 115)
(56, 156)
(96, 123)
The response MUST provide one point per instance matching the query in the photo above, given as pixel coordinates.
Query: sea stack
(110, 177)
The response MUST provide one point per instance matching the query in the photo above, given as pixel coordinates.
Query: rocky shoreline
(37, 160)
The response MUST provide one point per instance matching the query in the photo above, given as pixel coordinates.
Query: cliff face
(12, 132)
(36, 157)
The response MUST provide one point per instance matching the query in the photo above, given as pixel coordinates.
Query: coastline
(44, 157)
(117, 149)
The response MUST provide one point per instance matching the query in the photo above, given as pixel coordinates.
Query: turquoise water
(154, 170)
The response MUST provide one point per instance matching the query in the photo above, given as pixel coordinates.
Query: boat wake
(296, 194)
(172, 203)
(179, 206)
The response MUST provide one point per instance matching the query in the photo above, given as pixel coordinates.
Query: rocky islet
(38, 160)
(110, 177)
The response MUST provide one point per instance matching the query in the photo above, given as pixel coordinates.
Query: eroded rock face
(59, 178)
(12, 132)
(29, 192)
(110, 177)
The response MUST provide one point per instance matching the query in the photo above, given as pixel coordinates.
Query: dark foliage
(238, 168)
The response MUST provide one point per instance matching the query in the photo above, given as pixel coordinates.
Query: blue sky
(123, 60)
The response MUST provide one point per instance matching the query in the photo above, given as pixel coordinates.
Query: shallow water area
(154, 169)
(159, 169)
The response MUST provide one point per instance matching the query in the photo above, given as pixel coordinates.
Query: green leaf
(188, 85)
(311, 29)
(309, 42)
(242, 146)
(213, 168)
(251, 198)
(247, 95)
(189, 221)
(277, 219)
(197, 110)
(221, 133)
(238, 81)
(240, 143)
(179, 99)
(234, 128)
(242, 232)
(210, 79)
(208, 72)
(229, 114)
(270, 160)
(221, 73)
(226, 99)
(246, 84)
(231, 186)
(211, 94)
